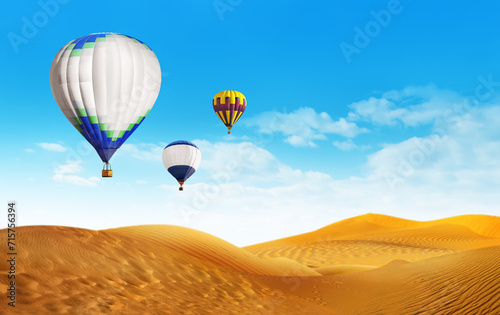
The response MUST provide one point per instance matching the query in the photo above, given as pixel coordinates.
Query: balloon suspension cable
(106, 170)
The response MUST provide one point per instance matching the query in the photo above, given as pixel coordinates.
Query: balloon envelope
(229, 106)
(105, 84)
(181, 159)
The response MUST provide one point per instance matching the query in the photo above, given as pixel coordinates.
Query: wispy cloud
(51, 146)
(248, 163)
(349, 145)
(231, 137)
(65, 173)
(29, 150)
(143, 151)
(304, 126)
(76, 180)
(412, 106)
(69, 167)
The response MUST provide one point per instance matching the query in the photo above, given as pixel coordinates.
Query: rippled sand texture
(371, 264)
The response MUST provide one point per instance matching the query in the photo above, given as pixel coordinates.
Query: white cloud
(143, 151)
(349, 145)
(51, 147)
(65, 173)
(231, 137)
(141, 182)
(69, 167)
(412, 106)
(29, 150)
(462, 162)
(76, 180)
(300, 141)
(244, 162)
(304, 125)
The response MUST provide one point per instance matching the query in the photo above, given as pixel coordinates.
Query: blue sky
(405, 122)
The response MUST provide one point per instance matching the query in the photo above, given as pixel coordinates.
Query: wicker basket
(107, 173)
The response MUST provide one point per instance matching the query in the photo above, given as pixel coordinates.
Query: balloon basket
(107, 173)
(181, 188)
(106, 170)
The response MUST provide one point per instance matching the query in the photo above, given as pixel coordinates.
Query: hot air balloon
(181, 159)
(105, 84)
(229, 105)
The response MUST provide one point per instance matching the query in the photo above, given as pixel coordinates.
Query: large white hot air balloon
(181, 159)
(105, 84)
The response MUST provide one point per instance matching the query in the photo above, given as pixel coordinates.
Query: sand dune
(378, 239)
(376, 226)
(460, 283)
(336, 269)
(371, 264)
(210, 248)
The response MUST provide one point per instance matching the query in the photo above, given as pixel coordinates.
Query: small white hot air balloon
(181, 159)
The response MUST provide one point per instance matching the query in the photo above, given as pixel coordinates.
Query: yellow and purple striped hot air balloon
(229, 106)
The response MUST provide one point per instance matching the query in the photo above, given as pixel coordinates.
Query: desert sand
(370, 264)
